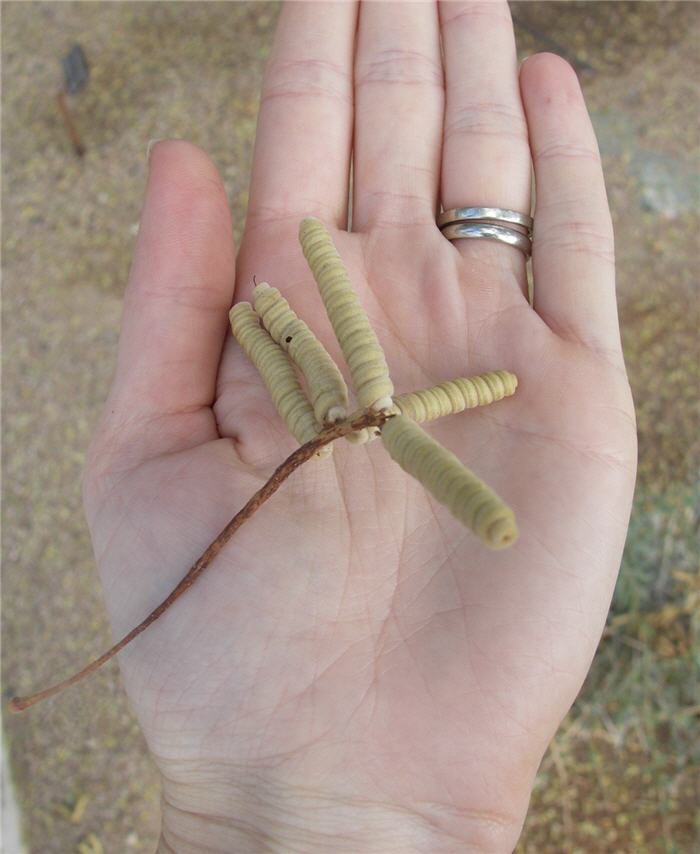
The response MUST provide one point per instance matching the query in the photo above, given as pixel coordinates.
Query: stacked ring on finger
(501, 224)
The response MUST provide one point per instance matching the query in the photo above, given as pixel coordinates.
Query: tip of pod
(335, 414)
(309, 223)
(324, 452)
(382, 404)
(358, 437)
(502, 533)
(238, 308)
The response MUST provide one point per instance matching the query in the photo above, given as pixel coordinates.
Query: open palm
(356, 671)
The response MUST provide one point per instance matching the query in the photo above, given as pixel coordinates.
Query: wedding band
(496, 215)
(458, 230)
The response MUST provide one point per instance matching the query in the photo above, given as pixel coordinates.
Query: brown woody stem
(281, 473)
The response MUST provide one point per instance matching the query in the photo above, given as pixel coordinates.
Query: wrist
(271, 819)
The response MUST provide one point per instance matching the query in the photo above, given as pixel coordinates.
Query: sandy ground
(193, 70)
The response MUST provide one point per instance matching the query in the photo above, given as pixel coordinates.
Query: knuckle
(304, 78)
(406, 67)
(466, 14)
(553, 152)
(487, 118)
(578, 237)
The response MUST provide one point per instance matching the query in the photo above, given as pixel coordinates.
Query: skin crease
(356, 671)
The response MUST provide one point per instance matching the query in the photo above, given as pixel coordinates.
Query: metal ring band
(479, 214)
(458, 230)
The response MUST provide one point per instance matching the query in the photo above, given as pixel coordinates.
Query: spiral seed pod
(456, 395)
(452, 484)
(327, 389)
(277, 373)
(360, 346)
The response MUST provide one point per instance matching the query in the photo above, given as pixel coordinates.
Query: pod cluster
(277, 372)
(327, 389)
(279, 344)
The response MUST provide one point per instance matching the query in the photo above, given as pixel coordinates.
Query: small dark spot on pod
(288, 339)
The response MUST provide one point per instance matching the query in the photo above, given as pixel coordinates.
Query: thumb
(180, 288)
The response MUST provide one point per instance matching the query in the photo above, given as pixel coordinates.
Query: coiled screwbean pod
(456, 395)
(452, 484)
(361, 349)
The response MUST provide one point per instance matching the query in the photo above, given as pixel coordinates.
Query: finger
(180, 288)
(398, 114)
(573, 254)
(486, 157)
(302, 149)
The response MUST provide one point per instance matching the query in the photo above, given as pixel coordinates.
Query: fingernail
(149, 147)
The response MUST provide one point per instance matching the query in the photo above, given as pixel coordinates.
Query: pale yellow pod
(456, 395)
(452, 484)
(358, 437)
(277, 372)
(361, 349)
(327, 389)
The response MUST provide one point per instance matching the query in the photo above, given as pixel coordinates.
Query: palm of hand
(353, 630)
(355, 662)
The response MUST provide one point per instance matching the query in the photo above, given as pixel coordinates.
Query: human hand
(356, 671)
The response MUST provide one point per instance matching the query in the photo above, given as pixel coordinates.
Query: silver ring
(489, 214)
(458, 230)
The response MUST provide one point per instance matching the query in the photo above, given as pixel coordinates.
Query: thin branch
(301, 455)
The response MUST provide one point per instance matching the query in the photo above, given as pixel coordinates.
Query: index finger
(180, 287)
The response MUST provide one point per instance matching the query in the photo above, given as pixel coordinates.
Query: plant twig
(301, 455)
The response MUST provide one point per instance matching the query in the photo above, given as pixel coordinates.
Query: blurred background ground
(621, 775)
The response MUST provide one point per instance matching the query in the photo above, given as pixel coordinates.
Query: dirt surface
(193, 70)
